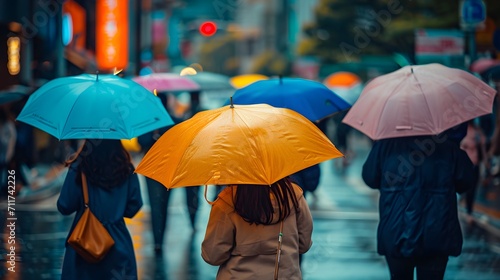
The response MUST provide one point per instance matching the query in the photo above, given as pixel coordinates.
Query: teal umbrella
(209, 81)
(13, 94)
(94, 107)
(215, 89)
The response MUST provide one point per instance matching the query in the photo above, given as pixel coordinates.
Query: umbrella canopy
(244, 144)
(211, 81)
(215, 89)
(342, 79)
(90, 106)
(419, 100)
(13, 93)
(244, 80)
(166, 82)
(345, 84)
(483, 64)
(311, 99)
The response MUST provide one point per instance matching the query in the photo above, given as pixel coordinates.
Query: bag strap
(278, 252)
(85, 191)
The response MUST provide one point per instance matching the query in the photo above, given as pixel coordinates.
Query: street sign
(472, 13)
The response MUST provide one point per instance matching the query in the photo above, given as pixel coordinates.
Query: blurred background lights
(13, 55)
(208, 28)
(188, 71)
(67, 29)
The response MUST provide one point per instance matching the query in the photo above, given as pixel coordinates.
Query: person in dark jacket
(308, 178)
(114, 194)
(418, 178)
(159, 196)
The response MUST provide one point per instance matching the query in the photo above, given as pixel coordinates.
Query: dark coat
(110, 207)
(418, 178)
(308, 178)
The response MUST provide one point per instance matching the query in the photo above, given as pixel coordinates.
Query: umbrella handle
(205, 195)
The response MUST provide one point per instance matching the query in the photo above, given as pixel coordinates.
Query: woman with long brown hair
(243, 229)
(114, 193)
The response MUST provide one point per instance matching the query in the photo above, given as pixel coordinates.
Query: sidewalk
(486, 208)
(45, 181)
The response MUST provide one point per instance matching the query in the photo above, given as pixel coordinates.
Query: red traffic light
(208, 28)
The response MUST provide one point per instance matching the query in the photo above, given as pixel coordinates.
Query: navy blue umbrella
(311, 99)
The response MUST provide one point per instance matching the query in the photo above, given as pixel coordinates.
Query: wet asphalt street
(345, 221)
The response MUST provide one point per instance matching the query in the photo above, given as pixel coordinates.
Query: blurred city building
(270, 37)
(43, 40)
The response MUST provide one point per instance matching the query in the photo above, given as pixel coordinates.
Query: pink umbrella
(483, 64)
(166, 82)
(419, 100)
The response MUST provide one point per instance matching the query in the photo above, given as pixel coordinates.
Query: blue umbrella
(311, 99)
(94, 107)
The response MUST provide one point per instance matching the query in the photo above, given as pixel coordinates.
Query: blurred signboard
(111, 34)
(78, 26)
(307, 68)
(440, 45)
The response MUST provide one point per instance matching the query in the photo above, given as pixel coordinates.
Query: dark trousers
(470, 195)
(428, 268)
(158, 198)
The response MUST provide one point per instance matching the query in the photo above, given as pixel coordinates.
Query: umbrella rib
(186, 150)
(385, 103)
(124, 124)
(249, 129)
(429, 113)
(69, 112)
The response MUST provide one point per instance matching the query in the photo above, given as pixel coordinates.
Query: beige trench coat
(245, 251)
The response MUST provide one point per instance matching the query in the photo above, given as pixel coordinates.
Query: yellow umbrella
(244, 144)
(244, 80)
(131, 145)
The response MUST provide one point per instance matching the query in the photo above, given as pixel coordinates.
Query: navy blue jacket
(307, 178)
(110, 207)
(418, 178)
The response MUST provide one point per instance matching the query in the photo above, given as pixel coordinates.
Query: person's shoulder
(227, 193)
(299, 192)
(225, 199)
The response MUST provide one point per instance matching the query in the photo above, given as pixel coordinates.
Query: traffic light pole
(472, 45)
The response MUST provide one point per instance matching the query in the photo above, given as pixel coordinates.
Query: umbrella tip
(231, 102)
(411, 68)
(96, 75)
(281, 79)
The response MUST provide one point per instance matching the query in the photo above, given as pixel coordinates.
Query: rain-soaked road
(345, 220)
